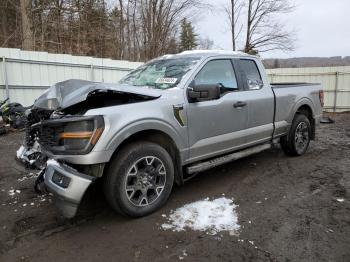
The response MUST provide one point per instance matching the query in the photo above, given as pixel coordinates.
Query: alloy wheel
(301, 138)
(145, 181)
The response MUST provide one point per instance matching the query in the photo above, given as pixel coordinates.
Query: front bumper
(94, 157)
(67, 185)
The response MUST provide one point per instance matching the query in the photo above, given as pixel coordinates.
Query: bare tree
(233, 12)
(136, 30)
(264, 33)
(161, 19)
(205, 43)
(10, 35)
(27, 33)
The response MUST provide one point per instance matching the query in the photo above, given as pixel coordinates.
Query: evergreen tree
(188, 37)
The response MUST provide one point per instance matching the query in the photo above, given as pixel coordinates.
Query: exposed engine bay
(70, 99)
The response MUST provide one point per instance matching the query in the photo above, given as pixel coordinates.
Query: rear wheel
(139, 179)
(298, 139)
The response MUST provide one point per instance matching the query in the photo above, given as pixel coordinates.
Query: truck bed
(288, 97)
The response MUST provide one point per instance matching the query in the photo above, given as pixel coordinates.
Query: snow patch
(184, 254)
(28, 176)
(13, 192)
(212, 216)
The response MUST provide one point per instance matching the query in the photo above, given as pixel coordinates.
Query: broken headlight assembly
(71, 135)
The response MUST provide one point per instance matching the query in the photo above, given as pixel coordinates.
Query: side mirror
(197, 93)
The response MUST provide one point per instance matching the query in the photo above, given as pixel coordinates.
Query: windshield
(162, 73)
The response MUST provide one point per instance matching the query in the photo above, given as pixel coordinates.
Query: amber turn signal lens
(96, 135)
(83, 135)
(76, 135)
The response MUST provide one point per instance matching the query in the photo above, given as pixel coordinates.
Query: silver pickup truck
(164, 122)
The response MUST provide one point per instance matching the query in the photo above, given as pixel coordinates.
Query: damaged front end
(29, 154)
(59, 129)
(68, 186)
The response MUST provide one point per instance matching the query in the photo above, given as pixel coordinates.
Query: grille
(49, 136)
(32, 133)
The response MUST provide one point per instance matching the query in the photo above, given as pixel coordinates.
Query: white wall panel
(30, 73)
(331, 78)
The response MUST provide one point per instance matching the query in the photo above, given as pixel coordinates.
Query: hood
(68, 93)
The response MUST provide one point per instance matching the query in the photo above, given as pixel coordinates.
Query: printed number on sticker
(165, 80)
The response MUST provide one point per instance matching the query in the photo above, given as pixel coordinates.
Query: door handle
(239, 104)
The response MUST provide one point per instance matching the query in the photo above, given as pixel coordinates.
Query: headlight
(74, 135)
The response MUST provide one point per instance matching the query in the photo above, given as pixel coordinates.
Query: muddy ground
(300, 217)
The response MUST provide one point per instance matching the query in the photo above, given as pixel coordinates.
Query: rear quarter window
(252, 73)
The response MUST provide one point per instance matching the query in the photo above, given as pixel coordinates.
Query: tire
(139, 179)
(298, 139)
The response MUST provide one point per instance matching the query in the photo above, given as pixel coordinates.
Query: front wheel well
(307, 111)
(162, 139)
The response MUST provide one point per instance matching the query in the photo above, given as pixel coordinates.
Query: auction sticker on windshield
(166, 80)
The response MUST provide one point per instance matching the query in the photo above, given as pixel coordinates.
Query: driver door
(217, 126)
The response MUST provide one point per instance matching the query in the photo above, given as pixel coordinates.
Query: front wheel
(139, 179)
(298, 139)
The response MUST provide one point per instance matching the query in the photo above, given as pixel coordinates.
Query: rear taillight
(321, 95)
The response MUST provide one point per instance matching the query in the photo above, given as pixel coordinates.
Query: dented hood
(67, 93)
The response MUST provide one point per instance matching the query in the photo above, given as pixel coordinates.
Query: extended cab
(169, 119)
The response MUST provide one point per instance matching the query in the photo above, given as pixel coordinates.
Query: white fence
(24, 75)
(334, 80)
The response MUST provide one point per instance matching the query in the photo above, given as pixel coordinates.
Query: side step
(199, 167)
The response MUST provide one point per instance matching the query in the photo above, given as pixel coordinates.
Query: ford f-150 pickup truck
(164, 122)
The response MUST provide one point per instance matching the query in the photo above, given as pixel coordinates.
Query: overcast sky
(322, 28)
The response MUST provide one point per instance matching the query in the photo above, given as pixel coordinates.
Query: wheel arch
(305, 108)
(161, 138)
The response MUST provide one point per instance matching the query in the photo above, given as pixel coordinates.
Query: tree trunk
(233, 25)
(4, 25)
(27, 33)
(121, 32)
(249, 24)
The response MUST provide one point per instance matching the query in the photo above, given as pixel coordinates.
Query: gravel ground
(290, 209)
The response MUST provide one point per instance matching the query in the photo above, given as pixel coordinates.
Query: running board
(226, 158)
